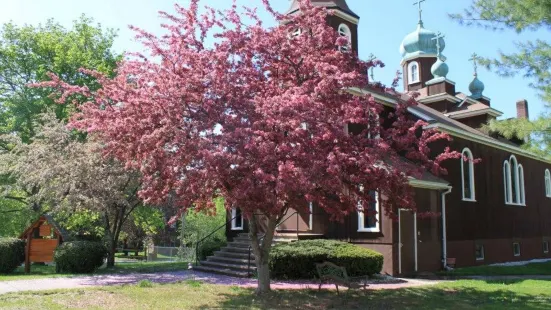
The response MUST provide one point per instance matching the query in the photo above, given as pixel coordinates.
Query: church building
(497, 210)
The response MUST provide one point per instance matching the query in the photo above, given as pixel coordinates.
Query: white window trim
(410, 73)
(507, 182)
(547, 183)
(514, 254)
(513, 165)
(545, 251)
(469, 154)
(483, 255)
(233, 222)
(344, 31)
(361, 222)
(521, 188)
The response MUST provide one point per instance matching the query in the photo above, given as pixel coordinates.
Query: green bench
(329, 272)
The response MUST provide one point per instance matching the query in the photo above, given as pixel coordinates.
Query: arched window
(467, 174)
(513, 180)
(507, 181)
(547, 183)
(521, 196)
(368, 220)
(344, 31)
(413, 72)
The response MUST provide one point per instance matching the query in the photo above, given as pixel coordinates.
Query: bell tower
(344, 20)
(421, 50)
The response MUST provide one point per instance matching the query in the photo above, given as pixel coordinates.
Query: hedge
(296, 260)
(209, 246)
(12, 254)
(79, 257)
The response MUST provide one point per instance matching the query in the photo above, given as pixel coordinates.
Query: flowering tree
(257, 117)
(68, 173)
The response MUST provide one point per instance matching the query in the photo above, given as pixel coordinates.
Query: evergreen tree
(532, 60)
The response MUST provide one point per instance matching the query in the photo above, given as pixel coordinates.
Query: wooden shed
(43, 237)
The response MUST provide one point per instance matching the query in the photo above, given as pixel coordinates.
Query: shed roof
(46, 218)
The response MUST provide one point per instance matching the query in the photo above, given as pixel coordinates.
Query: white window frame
(521, 189)
(507, 182)
(361, 222)
(233, 222)
(411, 80)
(514, 249)
(545, 247)
(479, 258)
(295, 33)
(344, 31)
(547, 183)
(467, 153)
(516, 183)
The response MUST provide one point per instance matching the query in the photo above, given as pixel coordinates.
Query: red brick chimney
(522, 109)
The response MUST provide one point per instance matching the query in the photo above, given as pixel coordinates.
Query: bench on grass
(329, 272)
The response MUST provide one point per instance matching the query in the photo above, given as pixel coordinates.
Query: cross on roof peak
(418, 3)
(437, 38)
(371, 73)
(475, 58)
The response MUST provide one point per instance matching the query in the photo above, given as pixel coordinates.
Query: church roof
(479, 108)
(330, 4)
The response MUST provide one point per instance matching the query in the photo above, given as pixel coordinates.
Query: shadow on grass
(410, 298)
(48, 271)
(525, 270)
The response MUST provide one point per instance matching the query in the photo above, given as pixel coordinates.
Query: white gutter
(415, 238)
(444, 231)
(399, 242)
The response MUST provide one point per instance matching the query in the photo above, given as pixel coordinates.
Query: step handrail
(207, 236)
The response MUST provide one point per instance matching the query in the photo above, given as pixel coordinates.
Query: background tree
(72, 175)
(27, 54)
(533, 60)
(198, 225)
(256, 116)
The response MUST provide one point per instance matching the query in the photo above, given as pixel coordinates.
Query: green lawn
(530, 269)
(38, 271)
(522, 294)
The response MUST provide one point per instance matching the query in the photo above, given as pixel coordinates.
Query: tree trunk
(111, 255)
(261, 250)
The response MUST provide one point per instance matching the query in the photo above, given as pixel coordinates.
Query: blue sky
(383, 25)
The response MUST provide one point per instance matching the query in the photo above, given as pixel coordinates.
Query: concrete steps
(233, 259)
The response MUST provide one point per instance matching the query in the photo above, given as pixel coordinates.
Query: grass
(530, 269)
(465, 294)
(38, 271)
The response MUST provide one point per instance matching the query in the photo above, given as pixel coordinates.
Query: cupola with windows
(343, 20)
(423, 64)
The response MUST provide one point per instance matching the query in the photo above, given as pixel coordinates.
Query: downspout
(444, 229)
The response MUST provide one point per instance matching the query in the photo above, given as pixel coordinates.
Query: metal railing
(260, 239)
(207, 236)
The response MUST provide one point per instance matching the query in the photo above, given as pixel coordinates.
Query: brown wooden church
(498, 210)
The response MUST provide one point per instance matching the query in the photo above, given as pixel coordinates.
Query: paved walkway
(491, 278)
(170, 277)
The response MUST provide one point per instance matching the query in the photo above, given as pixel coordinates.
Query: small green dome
(476, 87)
(420, 42)
(439, 69)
